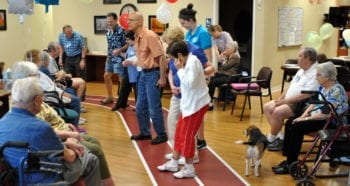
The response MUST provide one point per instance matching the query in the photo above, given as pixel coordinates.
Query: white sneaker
(182, 160)
(81, 122)
(185, 173)
(167, 166)
(168, 156)
(83, 119)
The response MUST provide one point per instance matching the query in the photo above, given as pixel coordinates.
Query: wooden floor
(221, 131)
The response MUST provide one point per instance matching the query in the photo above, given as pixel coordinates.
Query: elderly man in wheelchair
(20, 124)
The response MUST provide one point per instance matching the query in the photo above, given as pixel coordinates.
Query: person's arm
(83, 60)
(162, 67)
(60, 59)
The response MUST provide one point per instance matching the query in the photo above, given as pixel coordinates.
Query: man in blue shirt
(72, 44)
(21, 124)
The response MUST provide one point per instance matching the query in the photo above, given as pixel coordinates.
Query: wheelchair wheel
(298, 171)
(305, 182)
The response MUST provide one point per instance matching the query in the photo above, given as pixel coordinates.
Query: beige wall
(40, 28)
(266, 51)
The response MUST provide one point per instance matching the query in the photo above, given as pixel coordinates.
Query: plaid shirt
(72, 46)
(115, 40)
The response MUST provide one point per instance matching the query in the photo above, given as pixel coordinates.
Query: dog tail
(243, 142)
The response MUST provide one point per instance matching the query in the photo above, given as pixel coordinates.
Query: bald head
(135, 21)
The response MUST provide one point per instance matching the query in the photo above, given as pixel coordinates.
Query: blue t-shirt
(201, 37)
(199, 53)
(132, 70)
(21, 125)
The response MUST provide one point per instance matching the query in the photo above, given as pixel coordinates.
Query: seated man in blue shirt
(21, 124)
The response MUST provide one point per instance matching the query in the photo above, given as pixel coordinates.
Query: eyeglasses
(131, 20)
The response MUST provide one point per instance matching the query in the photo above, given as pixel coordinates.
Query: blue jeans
(75, 105)
(149, 104)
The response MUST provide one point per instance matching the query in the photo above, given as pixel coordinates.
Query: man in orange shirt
(151, 58)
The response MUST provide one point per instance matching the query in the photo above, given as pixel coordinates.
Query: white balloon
(163, 13)
(346, 34)
(21, 7)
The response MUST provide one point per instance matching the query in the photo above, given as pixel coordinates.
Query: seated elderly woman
(20, 124)
(315, 116)
(227, 67)
(73, 102)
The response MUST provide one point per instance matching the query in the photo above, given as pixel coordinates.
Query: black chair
(254, 87)
(290, 68)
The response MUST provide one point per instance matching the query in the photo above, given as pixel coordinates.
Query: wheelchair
(31, 163)
(329, 143)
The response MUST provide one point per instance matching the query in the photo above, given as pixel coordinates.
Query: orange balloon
(123, 21)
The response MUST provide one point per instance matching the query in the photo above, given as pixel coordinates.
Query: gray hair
(24, 69)
(44, 58)
(52, 46)
(232, 44)
(327, 69)
(310, 53)
(24, 90)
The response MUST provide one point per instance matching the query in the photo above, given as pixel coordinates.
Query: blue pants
(149, 104)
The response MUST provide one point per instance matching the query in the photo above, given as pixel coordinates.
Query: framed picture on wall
(155, 25)
(146, 1)
(100, 24)
(112, 1)
(3, 22)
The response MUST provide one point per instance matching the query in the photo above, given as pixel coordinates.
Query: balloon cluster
(314, 40)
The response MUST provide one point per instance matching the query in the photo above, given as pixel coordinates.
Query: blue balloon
(347, 42)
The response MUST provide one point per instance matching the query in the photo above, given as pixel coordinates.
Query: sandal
(107, 101)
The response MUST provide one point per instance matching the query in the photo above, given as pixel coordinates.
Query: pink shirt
(148, 47)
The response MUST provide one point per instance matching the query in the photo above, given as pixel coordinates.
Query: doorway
(236, 17)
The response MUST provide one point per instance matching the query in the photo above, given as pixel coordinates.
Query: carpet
(212, 170)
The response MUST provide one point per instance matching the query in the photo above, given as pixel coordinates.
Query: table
(4, 99)
(95, 67)
(288, 70)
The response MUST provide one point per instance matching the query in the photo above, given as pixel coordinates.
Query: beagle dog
(256, 146)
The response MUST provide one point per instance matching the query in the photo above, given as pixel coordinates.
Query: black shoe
(283, 169)
(280, 164)
(276, 145)
(115, 108)
(201, 144)
(211, 107)
(159, 139)
(141, 137)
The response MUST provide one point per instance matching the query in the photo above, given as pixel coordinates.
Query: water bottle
(7, 78)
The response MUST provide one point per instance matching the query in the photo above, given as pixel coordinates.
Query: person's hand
(178, 64)
(72, 144)
(82, 64)
(161, 82)
(116, 52)
(175, 91)
(126, 63)
(60, 62)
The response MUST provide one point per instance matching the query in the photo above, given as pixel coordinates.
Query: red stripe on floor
(210, 170)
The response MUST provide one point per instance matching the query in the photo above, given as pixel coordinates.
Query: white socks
(174, 162)
(280, 135)
(189, 166)
(272, 138)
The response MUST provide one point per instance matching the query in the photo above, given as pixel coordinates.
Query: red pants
(186, 130)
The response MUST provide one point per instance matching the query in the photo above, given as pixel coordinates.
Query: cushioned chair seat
(244, 86)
